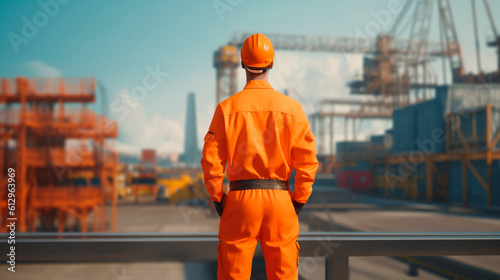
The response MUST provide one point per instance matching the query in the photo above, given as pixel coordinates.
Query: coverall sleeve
(214, 156)
(303, 157)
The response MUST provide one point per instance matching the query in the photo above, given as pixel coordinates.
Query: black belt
(270, 184)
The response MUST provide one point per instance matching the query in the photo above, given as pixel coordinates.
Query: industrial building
(65, 171)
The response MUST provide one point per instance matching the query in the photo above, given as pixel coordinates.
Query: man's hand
(218, 206)
(298, 206)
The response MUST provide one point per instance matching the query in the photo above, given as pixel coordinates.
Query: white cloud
(310, 77)
(138, 130)
(36, 68)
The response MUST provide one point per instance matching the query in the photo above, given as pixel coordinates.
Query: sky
(167, 47)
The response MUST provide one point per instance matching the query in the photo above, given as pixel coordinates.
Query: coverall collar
(258, 84)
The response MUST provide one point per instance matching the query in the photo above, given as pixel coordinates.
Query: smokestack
(191, 155)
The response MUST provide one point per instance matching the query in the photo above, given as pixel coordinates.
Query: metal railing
(336, 247)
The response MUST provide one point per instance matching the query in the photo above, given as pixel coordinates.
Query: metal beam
(333, 44)
(111, 247)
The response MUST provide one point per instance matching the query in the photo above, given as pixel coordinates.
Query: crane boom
(334, 44)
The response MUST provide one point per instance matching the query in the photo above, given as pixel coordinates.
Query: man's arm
(304, 160)
(214, 158)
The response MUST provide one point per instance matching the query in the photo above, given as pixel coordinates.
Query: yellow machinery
(183, 188)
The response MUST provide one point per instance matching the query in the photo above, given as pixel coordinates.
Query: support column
(489, 180)
(84, 219)
(21, 169)
(345, 128)
(332, 135)
(218, 97)
(353, 129)
(446, 183)
(114, 215)
(464, 183)
(430, 180)
(322, 135)
(337, 268)
(232, 81)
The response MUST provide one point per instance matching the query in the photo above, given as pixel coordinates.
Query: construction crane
(449, 32)
(226, 58)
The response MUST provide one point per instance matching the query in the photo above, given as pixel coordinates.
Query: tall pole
(441, 31)
(346, 134)
(332, 134)
(474, 19)
(353, 129)
(495, 32)
(322, 135)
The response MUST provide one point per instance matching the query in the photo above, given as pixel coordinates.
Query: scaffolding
(65, 169)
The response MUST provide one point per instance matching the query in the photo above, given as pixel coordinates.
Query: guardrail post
(337, 267)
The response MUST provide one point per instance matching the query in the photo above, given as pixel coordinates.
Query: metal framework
(63, 168)
(359, 109)
(459, 149)
(335, 247)
(332, 44)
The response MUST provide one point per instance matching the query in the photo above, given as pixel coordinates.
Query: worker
(261, 134)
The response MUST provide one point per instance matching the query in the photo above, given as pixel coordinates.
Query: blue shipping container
(431, 130)
(404, 129)
(353, 151)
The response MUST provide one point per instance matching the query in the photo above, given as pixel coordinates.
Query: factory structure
(64, 168)
(444, 143)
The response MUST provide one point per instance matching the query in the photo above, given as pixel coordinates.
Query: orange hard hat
(257, 51)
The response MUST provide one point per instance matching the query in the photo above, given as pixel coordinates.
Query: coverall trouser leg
(253, 214)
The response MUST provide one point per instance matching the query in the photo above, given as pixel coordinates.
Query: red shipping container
(357, 180)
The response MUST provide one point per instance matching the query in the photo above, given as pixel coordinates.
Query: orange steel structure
(64, 170)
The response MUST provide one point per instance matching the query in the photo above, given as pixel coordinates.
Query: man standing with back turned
(261, 135)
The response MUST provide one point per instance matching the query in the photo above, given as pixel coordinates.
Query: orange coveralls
(259, 133)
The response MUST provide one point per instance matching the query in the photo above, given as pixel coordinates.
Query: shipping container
(422, 126)
(377, 145)
(455, 193)
(431, 129)
(143, 181)
(353, 151)
(404, 129)
(357, 180)
(360, 165)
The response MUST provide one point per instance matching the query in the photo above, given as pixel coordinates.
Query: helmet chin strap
(258, 71)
